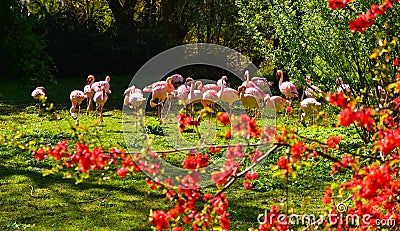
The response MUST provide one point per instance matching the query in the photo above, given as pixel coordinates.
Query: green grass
(28, 200)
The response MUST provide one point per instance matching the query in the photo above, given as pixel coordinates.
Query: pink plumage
(287, 88)
(89, 92)
(227, 94)
(100, 98)
(275, 103)
(38, 92)
(76, 97)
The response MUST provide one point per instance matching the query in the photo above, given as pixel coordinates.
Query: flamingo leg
(101, 113)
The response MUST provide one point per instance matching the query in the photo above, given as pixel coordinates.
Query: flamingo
(341, 87)
(39, 94)
(247, 82)
(89, 92)
(167, 84)
(133, 97)
(308, 106)
(194, 94)
(261, 83)
(177, 80)
(248, 99)
(160, 90)
(275, 103)
(76, 97)
(311, 90)
(227, 94)
(182, 94)
(287, 88)
(100, 98)
(214, 87)
(103, 85)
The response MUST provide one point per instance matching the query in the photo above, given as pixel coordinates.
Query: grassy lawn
(28, 200)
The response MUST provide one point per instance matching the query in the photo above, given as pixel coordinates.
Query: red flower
(39, 154)
(333, 141)
(257, 154)
(215, 150)
(297, 149)
(378, 9)
(338, 99)
(247, 185)
(122, 171)
(361, 23)
(346, 117)
(228, 134)
(251, 176)
(283, 163)
(336, 4)
(395, 62)
(223, 118)
(159, 219)
(288, 109)
(327, 198)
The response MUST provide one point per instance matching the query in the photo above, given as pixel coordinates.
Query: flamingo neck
(281, 79)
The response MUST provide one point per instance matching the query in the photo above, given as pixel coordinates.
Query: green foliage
(24, 53)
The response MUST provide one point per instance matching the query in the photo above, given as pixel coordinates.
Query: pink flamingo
(287, 88)
(227, 94)
(133, 97)
(102, 85)
(194, 94)
(76, 97)
(209, 99)
(39, 94)
(100, 98)
(169, 87)
(247, 82)
(308, 106)
(248, 99)
(214, 87)
(261, 83)
(160, 90)
(89, 92)
(275, 103)
(312, 90)
(182, 94)
(177, 80)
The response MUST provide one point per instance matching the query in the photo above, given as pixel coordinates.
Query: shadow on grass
(52, 202)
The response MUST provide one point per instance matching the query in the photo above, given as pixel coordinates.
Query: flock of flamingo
(251, 93)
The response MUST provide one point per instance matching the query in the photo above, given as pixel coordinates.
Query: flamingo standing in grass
(287, 88)
(102, 85)
(100, 98)
(39, 94)
(133, 98)
(182, 94)
(160, 90)
(89, 92)
(194, 94)
(227, 94)
(76, 97)
(275, 103)
(308, 106)
(248, 99)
